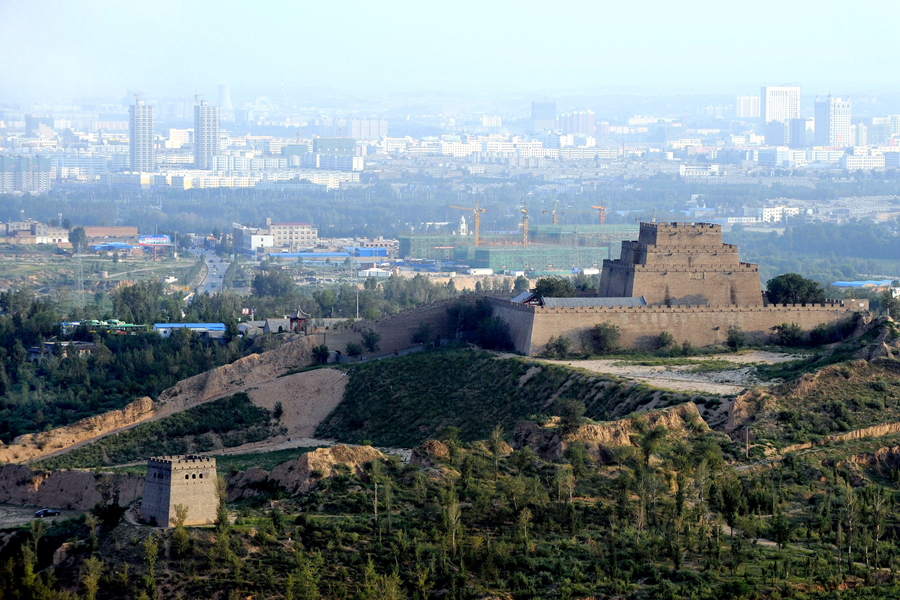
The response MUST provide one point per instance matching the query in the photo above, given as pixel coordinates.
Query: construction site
(536, 249)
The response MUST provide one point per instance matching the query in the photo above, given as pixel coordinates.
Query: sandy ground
(306, 398)
(12, 515)
(682, 379)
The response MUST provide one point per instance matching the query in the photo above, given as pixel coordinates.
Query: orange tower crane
(524, 210)
(477, 212)
(602, 210)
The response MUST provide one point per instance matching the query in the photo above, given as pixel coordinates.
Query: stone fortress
(188, 480)
(678, 278)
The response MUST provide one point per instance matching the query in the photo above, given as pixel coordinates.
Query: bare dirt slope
(230, 378)
(306, 398)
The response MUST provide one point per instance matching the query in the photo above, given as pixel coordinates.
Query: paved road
(215, 271)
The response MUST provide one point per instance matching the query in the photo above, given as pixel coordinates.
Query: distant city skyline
(80, 49)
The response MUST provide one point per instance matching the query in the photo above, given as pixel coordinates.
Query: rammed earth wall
(533, 326)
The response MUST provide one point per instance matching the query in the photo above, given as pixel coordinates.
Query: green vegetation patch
(834, 400)
(227, 423)
(404, 401)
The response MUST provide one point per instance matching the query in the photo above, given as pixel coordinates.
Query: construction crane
(569, 212)
(555, 217)
(197, 99)
(477, 212)
(602, 210)
(524, 210)
(137, 96)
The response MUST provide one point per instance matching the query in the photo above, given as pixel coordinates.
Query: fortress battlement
(829, 305)
(189, 461)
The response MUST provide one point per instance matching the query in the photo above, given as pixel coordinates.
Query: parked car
(46, 512)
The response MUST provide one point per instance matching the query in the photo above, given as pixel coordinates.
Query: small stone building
(188, 480)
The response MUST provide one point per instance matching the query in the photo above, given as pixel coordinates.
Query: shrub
(422, 334)
(371, 340)
(571, 415)
(736, 339)
(789, 334)
(605, 338)
(320, 353)
(558, 346)
(354, 349)
(687, 349)
(665, 340)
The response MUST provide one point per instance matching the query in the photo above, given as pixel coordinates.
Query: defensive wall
(532, 326)
(396, 331)
(187, 480)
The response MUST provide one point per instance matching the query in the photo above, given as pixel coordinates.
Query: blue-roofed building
(868, 283)
(210, 330)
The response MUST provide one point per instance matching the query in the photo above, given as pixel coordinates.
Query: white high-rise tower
(142, 147)
(833, 122)
(206, 134)
(778, 105)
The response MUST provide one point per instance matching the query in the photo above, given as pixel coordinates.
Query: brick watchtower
(188, 480)
(675, 264)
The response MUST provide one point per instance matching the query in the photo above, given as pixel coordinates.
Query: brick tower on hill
(187, 480)
(679, 264)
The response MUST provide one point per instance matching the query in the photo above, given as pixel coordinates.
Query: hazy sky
(65, 49)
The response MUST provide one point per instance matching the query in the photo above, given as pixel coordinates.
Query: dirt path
(12, 515)
(690, 377)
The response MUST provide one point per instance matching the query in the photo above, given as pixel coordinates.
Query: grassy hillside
(404, 401)
(226, 422)
(835, 399)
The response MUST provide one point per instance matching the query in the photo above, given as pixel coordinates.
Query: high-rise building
(206, 134)
(543, 116)
(39, 126)
(801, 133)
(860, 134)
(140, 129)
(833, 122)
(225, 98)
(746, 107)
(580, 122)
(778, 104)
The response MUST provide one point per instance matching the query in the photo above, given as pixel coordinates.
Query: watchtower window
(186, 476)
(201, 475)
(194, 476)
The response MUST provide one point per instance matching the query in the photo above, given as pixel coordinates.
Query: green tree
(371, 340)
(179, 545)
(558, 346)
(354, 349)
(78, 239)
(665, 341)
(571, 415)
(792, 288)
(91, 572)
(554, 287)
(321, 354)
(605, 338)
(496, 446)
(736, 339)
(789, 334)
(423, 333)
(521, 284)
